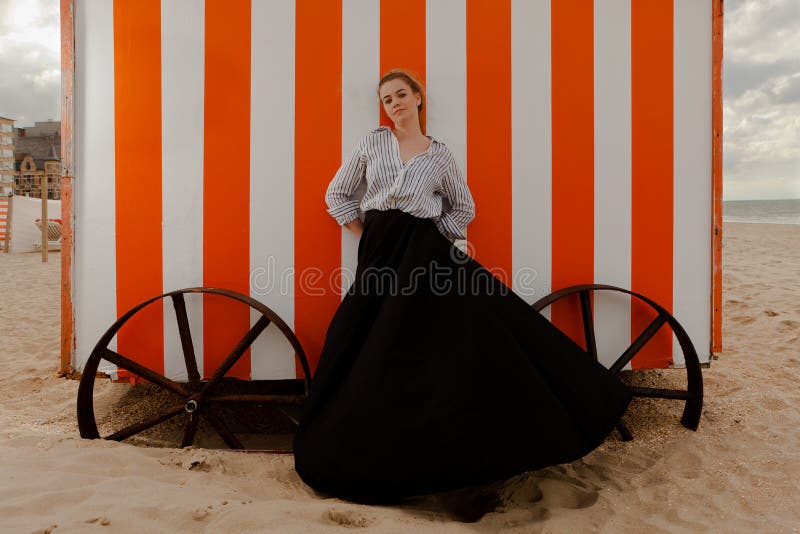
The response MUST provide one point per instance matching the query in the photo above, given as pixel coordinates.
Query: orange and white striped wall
(4, 225)
(206, 132)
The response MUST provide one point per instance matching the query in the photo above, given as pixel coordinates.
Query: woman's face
(400, 102)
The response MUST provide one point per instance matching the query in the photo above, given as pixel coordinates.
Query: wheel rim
(198, 399)
(692, 395)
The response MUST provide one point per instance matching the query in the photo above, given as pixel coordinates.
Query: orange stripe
(318, 142)
(406, 26)
(489, 131)
(226, 161)
(716, 172)
(137, 94)
(652, 162)
(572, 57)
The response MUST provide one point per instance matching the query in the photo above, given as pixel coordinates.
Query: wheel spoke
(140, 427)
(624, 433)
(657, 393)
(137, 369)
(237, 352)
(295, 413)
(186, 339)
(257, 399)
(637, 345)
(223, 430)
(588, 324)
(190, 430)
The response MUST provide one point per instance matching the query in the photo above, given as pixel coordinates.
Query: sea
(784, 211)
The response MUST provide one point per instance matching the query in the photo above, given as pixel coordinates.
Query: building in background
(6, 156)
(42, 129)
(37, 160)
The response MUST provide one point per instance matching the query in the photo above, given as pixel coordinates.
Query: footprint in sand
(523, 491)
(348, 518)
(773, 404)
(686, 464)
(540, 513)
(560, 494)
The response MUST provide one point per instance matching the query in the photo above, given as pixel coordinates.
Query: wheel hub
(191, 406)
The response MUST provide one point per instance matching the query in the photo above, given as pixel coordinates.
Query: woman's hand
(355, 226)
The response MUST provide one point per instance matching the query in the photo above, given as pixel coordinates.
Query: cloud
(761, 97)
(30, 60)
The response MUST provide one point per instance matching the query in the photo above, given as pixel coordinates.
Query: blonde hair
(413, 82)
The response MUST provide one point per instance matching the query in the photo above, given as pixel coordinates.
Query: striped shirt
(417, 187)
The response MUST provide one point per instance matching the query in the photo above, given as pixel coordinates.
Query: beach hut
(199, 137)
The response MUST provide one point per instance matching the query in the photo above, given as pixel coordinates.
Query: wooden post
(67, 171)
(716, 175)
(43, 189)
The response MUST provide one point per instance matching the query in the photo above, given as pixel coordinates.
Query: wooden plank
(226, 218)
(67, 161)
(67, 251)
(716, 176)
(137, 93)
(318, 153)
(572, 55)
(652, 171)
(489, 133)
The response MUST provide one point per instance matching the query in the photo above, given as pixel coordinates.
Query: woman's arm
(344, 183)
(355, 226)
(453, 222)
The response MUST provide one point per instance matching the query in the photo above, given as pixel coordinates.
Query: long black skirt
(434, 375)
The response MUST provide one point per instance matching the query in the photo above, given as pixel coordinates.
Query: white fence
(22, 222)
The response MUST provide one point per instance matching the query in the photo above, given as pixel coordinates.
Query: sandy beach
(740, 472)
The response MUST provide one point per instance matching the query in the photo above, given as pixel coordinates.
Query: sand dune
(738, 473)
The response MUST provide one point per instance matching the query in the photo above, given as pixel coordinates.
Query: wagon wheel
(692, 395)
(198, 397)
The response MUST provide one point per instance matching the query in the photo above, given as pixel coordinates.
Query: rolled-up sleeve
(346, 180)
(453, 222)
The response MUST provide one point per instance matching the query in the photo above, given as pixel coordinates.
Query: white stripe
(531, 160)
(446, 76)
(612, 175)
(94, 283)
(271, 181)
(692, 175)
(182, 68)
(360, 105)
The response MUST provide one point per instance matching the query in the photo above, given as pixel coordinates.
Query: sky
(761, 87)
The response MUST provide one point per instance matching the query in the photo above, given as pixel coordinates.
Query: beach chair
(53, 234)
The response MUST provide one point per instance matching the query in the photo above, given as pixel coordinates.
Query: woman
(434, 375)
